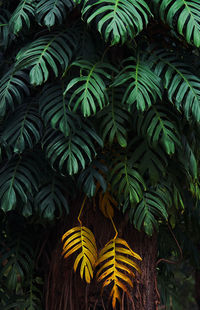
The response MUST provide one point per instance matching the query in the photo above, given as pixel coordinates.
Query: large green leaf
(143, 86)
(115, 119)
(4, 30)
(51, 12)
(182, 16)
(89, 89)
(50, 201)
(117, 20)
(21, 15)
(187, 157)
(89, 177)
(53, 50)
(54, 109)
(18, 179)
(70, 154)
(16, 256)
(152, 163)
(126, 181)
(158, 126)
(182, 86)
(13, 86)
(151, 207)
(22, 130)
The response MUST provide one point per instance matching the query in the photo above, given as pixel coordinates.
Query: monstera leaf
(53, 107)
(143, 86)
(116, 267)
(52, 12)
(53, 50)
(70, 154)
(23, 129)
(182, 86)
(115, 119)
(82, 239)
(153, 205)
(21, 15)
(119, 20)
(126, 181)
(182, 16)
(88, 91)
(13, 87)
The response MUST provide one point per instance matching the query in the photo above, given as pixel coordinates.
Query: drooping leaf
(157, 126)
(118, 20)
(143, 86)
(5, 37)
(181, 85)
(81, 238)
(151, 162)
(18, 179)
(125, 179)
(17, 260)
(182, 16)
(22, 130)
(152, 206)
(54, 110)
(53, 50)
(13, 87)
(70, 154)
(52, 12)
(115, 119)
(116, 265)
(51, 200)
(91, 178)
(21, 15)
(106, 201)
(88, 91)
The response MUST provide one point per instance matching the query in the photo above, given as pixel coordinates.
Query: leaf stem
(82, 206)
(116, 231)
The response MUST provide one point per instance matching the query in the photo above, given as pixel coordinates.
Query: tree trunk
(66, 291)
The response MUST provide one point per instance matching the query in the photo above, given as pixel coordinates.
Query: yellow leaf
(116, 267)
(106, 201)
(82, 239)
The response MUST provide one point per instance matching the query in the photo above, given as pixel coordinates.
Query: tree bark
(66, 291)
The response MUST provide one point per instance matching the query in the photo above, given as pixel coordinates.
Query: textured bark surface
(66, 291)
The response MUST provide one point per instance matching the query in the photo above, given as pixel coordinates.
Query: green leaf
(17, 260)
(182, 86)
(5, 37)
(18, 178)
(88, 91)
(126, 181)
(50, 201)
(89, 177)
(182, 16)
(143, 86)
(54, 110)
(115, 119)
(23, 128)
(53, 50)
(151, 162)
(188, 159)
(152, 206)
(157, 125)
(51, 12)
(119, 20)
(70, 154)
(13, 87)
(21, 15)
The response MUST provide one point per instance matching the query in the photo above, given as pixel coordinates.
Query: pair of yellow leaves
(115, 260)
